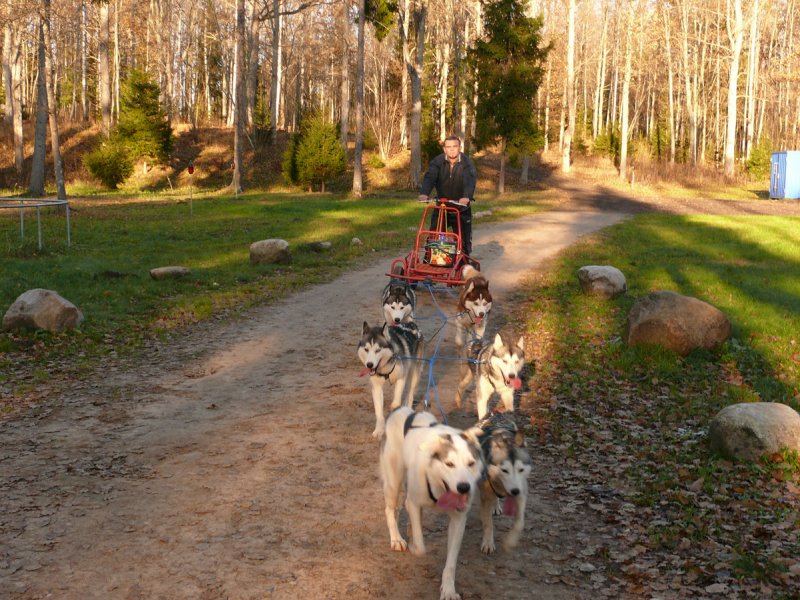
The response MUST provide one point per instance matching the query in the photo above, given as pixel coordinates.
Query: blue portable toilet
(784, 178)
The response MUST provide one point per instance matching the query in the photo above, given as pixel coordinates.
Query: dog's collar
(386, 375)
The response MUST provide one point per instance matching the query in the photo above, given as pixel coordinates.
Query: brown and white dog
(474, 305)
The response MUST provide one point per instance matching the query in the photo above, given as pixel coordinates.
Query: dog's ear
(365, 328)
(519, 439)
(469, 288)
(437, 446)
(521, 343)
(498, 342)
(472, 435)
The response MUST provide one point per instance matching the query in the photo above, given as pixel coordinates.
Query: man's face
(452, 148)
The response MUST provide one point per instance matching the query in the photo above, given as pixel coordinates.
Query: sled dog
(381, 350)
(495, 367)
(474, 305)
(441, 467)
(507, 468)
(399, 302)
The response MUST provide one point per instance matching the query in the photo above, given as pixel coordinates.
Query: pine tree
(320, 155)
(143, 128)
(508, 64)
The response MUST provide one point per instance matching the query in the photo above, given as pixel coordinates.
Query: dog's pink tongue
(452, 501)
(364, 371)
(478, 320)
(516, 383)
(510, 506)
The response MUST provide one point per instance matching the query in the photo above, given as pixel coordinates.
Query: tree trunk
(358, 184)
(671, 87)
(735, 35)
(84, 63)
(752, 79)
(626, 90)
(570, 91)
(103, 68)
(13, 89)
(36, 184)
(275, 85)
(58, 167)
(691, 112)
(599, 80)
(416, 73)
(501, 180)
(547, 106)
(404, 12)
(253, 47)
(239, 101)
(344, 121)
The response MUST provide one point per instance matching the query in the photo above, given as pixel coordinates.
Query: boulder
(604, 281)
(172, 272)
(42, 309)
(748, 431)
(270, 251)
(678, 323)
(320, 246)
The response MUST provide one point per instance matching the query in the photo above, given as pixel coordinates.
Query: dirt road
(237, 463)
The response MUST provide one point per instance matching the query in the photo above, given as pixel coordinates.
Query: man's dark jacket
(451, 181)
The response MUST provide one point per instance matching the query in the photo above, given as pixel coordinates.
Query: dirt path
(237, 461)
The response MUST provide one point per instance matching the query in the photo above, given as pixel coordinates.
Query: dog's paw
(399, 545)
(449, 594)
(487, 546)
(416, 550)
(378, 433)
(510, 541)
(498, 508)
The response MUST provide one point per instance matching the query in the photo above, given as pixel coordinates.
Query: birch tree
(735, 27)
(569, 95)
(357, 177)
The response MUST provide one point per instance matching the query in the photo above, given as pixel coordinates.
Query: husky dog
(507, 468)
(441, 467)
(381, 349)
(399, 302)
(496, 367)
(474, 304)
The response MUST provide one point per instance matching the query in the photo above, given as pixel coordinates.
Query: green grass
(654, 407)
(116, 241)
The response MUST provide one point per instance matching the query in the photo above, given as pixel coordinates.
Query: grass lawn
(636, 420)
(115, 243)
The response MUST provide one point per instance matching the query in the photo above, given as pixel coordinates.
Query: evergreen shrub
(110, 163)
(760, 162)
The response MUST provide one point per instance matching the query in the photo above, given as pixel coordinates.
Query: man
(454, 176)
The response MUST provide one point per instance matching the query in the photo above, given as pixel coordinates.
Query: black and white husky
(391, 354)
(474, 305)
(399, 302)
(441, 467)
(508, 466)
(495, 367)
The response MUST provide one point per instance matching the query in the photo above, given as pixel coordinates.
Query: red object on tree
(191, 168)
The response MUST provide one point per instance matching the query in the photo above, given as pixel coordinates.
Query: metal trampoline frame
(23, 204)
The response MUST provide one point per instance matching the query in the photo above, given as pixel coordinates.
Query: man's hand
(463, 201)
(422, 198)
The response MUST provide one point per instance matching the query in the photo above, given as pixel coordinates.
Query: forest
(699, 82)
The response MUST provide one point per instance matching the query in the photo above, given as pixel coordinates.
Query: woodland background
(688, 81)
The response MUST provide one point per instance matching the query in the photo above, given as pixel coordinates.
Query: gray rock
(270, 251)
(604, 281)
(356, 242)
(171, 272)
(678, 323)
(42, 309)
(748, 431)
(320, 246)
